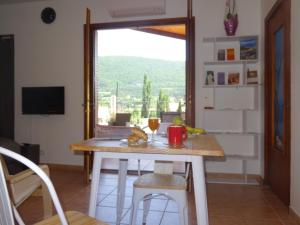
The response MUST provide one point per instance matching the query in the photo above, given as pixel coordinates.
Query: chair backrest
(41, 174)
(163, 167)
(6, 216)
(168, 116)
(122, 118)
(4, 167)
(105, 131)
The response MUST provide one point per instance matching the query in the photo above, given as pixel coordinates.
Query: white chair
(8, 210)
(161, 182)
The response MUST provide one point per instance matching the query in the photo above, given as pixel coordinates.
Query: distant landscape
(125, 77)
(129, 73)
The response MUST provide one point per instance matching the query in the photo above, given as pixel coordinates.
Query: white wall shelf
(226, 62)
(232, 86)
(228, 38)
(231, 109)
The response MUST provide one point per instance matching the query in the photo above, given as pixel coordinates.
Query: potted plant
(231, 18)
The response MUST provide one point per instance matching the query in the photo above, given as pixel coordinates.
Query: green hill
(129, 73)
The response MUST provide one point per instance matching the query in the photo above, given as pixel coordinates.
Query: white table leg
(200, 190)
(95, 184)
(123, 164)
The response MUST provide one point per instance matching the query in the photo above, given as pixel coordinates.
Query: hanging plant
(230, 18)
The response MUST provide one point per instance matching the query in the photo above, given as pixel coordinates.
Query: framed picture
(221, 78)
(252, 77)
(248, 49)
(221, 54)
(234, 78)
(230, 54)
(210, 79)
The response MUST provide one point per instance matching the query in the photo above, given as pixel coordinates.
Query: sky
(126, 42)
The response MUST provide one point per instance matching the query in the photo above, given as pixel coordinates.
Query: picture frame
(252, 77)
(248, 49)
(210, 79)
(221, 78)
(221, 54)
(230, 54)
(233, 78)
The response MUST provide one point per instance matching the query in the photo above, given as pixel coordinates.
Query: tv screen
(43, 100)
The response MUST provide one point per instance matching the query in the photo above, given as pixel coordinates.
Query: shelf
(243, 157)
(233, 133)
(232, 86)
(229, 109)
(230, 62)
(226, 38)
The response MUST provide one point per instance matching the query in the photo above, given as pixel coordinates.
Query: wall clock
(48, 15)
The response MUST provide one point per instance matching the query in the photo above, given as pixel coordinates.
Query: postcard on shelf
(252, 77)
(210, 79)
(233, 78)
(230, 54)
(248, 49)
(221, 78)
(221, 54)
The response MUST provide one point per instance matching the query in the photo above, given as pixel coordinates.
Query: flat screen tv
(43, 100)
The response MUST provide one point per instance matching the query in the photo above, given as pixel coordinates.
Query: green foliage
(179, 107)
(146, 97)
(129, 72)
(162, 102)
(123, 76)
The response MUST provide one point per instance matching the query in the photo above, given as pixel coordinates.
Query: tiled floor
(228, 204)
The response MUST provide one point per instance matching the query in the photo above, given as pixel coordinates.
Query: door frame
(190, 54)
(279, 5)
(11, 131)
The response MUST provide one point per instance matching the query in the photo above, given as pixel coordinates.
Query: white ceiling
(15, 1)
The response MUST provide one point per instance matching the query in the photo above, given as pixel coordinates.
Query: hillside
(129, 73)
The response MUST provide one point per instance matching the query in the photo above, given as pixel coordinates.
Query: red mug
(176, 135)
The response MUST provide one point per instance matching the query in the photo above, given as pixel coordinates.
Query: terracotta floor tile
(228, 204)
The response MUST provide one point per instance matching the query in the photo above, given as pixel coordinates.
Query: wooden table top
(204, 145)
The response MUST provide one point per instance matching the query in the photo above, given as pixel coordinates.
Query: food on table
(133, 138)
(191, 130)
(137, 134)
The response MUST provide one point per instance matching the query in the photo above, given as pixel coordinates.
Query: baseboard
(65, 167)
(233, 178)
(295, 215)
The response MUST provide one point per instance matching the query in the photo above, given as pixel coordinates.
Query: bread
(137, 134)
(133, 138)
(140, 133)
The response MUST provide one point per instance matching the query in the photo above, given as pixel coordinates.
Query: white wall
(53, 55)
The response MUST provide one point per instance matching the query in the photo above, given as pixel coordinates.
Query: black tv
(43, 100)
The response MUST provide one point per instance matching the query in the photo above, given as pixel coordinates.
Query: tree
(179, 109)
(162, 102)
(146, 97)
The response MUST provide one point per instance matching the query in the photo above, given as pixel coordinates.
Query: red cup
(176, 135)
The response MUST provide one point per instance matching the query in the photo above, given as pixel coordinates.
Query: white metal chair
(162, 182)
(8, 210)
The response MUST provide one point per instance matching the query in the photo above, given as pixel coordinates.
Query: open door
(277, 100)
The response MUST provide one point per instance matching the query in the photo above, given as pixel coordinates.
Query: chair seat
(160, 181)
(73, 218)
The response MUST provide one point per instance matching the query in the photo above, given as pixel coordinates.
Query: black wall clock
(48, 15)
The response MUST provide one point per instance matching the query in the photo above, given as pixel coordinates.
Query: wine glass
(153, 125)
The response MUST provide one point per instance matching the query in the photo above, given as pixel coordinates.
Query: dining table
(193, 150)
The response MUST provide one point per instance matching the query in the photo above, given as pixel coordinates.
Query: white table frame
(198, 177)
